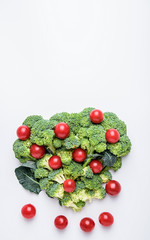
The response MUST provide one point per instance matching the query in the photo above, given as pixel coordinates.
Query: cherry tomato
(96, 116)
(28, 211)
(79, 155)
(55, 162)
(106, 219)
(37, 151)
(112, 135)
(23, 132)
(96, 166)
(61, 222)
(62, 130)
(113, 187)
(87, 224)
(69, 185)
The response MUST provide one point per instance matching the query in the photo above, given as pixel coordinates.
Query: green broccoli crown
(74, 170)
(57, 175)
(55, 190)
(31, 120)
(93, 183)
(96, 135)
(121, 148)
(85, 144)
(65, 155)
(57, 143)
(106, 176)
(22, 150)
(117, 164)
(99, 193)
(72, 142)
(68, 202)
(45, 183)
(85, 117)
(41, 173)
(87, 172)
(43, 162)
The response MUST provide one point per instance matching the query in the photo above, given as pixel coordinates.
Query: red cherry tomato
(55, 162)
(69, 185)
(23, 132)
(62, 130)
(112, 135)
(79, 155)
(113, 187)
(61, 222)
(28, 211)
(37, 151)
(96, 116)
(96, 166)
(87, 224)
(106, 219)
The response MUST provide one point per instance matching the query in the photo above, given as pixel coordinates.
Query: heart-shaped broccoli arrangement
(69, 156)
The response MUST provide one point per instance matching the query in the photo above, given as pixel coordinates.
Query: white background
(63, 56)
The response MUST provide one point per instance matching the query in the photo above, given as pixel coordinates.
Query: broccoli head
(41, 173)
(45, 183)
(22, 150)
(117, 164)
(105, 176)
(67, 202)
(43, 162)
(72, 142)
(73, 171)
(57, 143)
(85, 117)
(56, 175)
(85, 144)
(99, 193)
(92, 183)
(65, 155)
(87, 172)
(121, 148)
(31, 120)
(55, 190)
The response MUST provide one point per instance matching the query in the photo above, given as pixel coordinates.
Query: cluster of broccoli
(83, 134)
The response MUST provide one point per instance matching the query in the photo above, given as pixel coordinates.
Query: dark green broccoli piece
(41, 173)
(67, 202)
(112, 121)
(74, 122)
(93, 183)
(105, 176)
(57, 143)
(43, 162)
(85, 117)
(101, 147)
(82, 133)
(42, 134)
(45, 183)
(72, 142)
(65, 155)
(99, 193)
(121, 148)
(87, 172)
(56, 175)
(22, 150)
(85, 144)
(31, 120)
(96, 135)
(55, 190)
(117, 164)
(74, 170)
(59, 117)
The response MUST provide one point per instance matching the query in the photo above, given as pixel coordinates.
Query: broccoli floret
(45, 183)
(87, 172)
(96, 135)
(74, 122)
(31, 120)
(67, 202)
(99, 193)
(55, 190)
(57, 143)
(101, 147)
(42, 134)
(65, 155)
(112, 121)
(56, 175)
(121, 148)
(93, 183)
(73, 171)
(79, 206)
(117, 164)
(72, 142)
(41, 173)
(105, 176)
(85, 117)
(85, 144)
(43, 162)
(22, 150)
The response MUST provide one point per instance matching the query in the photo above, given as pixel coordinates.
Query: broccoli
(22, 150)
(117, 164)
(99, 193)
(57, 143)
(85, 144)
(121, 148)
(74, 170)
(42, 134)
(85, 117)
(45, 183)
(41, 173)
(56, 175)
(96, 135)
(43, 162)
(105, 176)
(31, 120)
(101, 147)
(93, 183)
(67, 202)
(87, 172)
(71, 142)
(55, 190)
(65, 155)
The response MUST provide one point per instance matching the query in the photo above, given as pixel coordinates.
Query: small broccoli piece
(87, 172)
(65, 155)
(55, 190)
(99, 193)
(43, 162)
(41, 173)
(112, 121)
(117, 164)
(31, 120)
(59, 117)
(42, 134)
(93, 183)
(105, 176)
(79, 206)
(74, 122)
(82, 133)
(67, 202)
(22, 150)
(72, 142)
(101, 147)
(85, 117)
(73, 171)
(57, 143)
(121, 148)
(56, 175)
(85, 144)
(96, 135)
(45, 183)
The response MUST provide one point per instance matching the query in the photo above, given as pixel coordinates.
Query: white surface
(63, 56)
